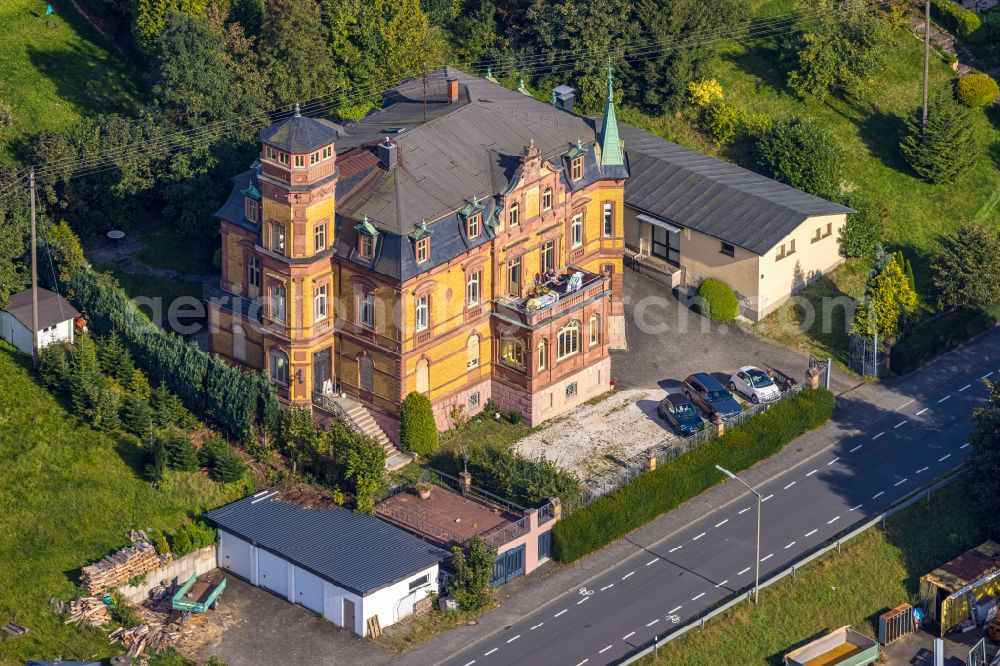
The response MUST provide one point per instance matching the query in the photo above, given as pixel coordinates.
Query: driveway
(667, 342)
(253, 627)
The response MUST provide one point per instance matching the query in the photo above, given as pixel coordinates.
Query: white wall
(19, 335)
(386, 603)
(176, 571)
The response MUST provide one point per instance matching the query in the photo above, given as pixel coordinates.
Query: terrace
(556, 293)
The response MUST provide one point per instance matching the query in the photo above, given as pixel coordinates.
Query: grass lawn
(876, 571)
(52, 76)
(69, 496)
(146, 286)
(483, 432)
(165, 248)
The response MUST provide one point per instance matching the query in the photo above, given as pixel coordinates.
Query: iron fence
(546, 512)
(666, 451)
(500, 535)
(746, 594)
(483, 496)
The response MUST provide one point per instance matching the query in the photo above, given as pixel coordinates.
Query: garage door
(309, 590)
(234, 555)
(272, 572)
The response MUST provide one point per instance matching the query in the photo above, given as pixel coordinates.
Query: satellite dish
(116, 234)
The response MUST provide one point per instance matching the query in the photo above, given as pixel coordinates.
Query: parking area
(253, 626)
(667, 342)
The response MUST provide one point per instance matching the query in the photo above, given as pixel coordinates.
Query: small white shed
(345, 566)
(55, 320)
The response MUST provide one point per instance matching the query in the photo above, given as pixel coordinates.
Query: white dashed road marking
(607, 586)
(922, 411)
(878, 435)
(855, 508)
(833, 520)
(696, 598)
(698, 537)
(744, 510)
(560, 612)
(511, 640)
(653, 622)
(719, 585)
(604, 650)
(922, 469)
(964, 445)
(722, 523)
(674, 610)
(944, 457)
(627, 575)
(944, 398)
(486, 654)
(675, 548)
(653, 561)
(743, 572)
(832, 461)
(790, 485)
(812, 472)
(878, 494)
(470, 663)
(810, 533)
(767, 498)
(537, 625)
(899, 483)
(582, 600)
(900, 424)
(628, 635)
(987, 375)
(789, 545)
(856, 448)
(964, 387)
(767, 557)
(583, 662)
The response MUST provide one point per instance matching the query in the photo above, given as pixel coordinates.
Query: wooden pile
(91, 610)
(118, 568)
(152, 638)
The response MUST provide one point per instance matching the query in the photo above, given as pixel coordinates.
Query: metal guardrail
(476, 493)
(500, 535)
(666, 451)
(546, 512)
(747, 593)
(210, 292)
(328, 403)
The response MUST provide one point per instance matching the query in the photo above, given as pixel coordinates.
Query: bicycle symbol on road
(673, 619)
(584, 592)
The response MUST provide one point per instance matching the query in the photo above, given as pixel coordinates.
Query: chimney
(564, 97)
(452, 89)
(386, 152)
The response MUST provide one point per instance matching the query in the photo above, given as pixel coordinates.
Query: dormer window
(423, 249)
(252, 209)
(366, 246)
(576, 168)
(473, 225)
(514, 216)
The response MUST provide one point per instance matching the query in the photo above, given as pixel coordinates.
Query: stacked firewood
(90, 610)
(152, 638)
(118, 568)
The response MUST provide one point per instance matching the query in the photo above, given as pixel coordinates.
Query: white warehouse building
(347, 567)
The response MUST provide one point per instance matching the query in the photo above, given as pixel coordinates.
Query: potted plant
(424, 490)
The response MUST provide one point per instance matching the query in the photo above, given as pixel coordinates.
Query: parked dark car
(706, 392)
(680, 413)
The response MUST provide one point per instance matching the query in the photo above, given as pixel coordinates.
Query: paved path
(885, 441)
(124, 254)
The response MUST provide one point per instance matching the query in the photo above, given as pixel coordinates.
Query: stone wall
(177, 572)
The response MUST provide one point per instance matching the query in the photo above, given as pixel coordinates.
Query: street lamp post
(760, 500)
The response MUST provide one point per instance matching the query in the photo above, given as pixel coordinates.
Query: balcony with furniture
(552, 295)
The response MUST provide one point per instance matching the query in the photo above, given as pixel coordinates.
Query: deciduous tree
(802, 153)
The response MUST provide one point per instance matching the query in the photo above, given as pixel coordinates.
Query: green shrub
(943, 148)
(618, 513)
(162, 546)
(417, 429)
(938, 337)
(956, 18)
(227, 468)
(180, 544)
(200, 534)
(181, 454)
(802, 153)
(864, 229)
(136, 417)
(976, 90)
(718, 300)
(472, 585)
(156, 467)
(123, 612)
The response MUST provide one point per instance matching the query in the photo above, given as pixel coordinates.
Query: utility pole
(424, 68)
(927, 56)
(34, 276)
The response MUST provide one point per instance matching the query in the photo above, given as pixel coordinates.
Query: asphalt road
(884, 456)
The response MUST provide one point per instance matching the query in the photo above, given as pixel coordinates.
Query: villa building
(464, 241)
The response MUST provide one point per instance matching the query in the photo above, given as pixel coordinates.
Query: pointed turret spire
(611, 145)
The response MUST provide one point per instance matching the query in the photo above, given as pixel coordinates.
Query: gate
(977, 655)
(822, 365)
(508, 565)
(866, 359)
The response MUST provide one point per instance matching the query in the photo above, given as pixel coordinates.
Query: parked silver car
(755, 384)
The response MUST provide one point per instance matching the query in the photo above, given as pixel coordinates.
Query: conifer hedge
(618, 513)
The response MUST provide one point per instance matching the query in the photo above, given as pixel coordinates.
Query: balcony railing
(553, 295)
(241, 305)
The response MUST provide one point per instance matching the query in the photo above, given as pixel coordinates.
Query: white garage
(353, 569)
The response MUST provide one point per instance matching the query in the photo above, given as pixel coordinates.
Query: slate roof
(234, 209)
(300, 134)
(52, 308)
(357, 552)
(712, 196)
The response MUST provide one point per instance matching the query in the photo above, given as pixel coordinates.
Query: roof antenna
(297, 113)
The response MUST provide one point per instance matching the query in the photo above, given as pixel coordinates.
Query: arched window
(472, 351)
(547, 198)
(595, 330)
(543, 354)
(514, 215)
(279, 367)
(423, 376)
(569, 340)
(512, 351)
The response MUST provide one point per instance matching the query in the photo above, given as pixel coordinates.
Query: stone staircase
(356, 416)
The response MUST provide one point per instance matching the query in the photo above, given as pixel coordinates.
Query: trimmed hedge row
(618, 513)
(956, 18)
(938, 337)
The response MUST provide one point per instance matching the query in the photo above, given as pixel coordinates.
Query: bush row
(938, 337)
(956, 18)
(618, 513)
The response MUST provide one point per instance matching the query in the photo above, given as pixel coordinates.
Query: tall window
(366, 246)
(514, 276)
(472, 351)
(543, 354)
(595, 330)
(314, 158)
(279, 367)
(283, 157)
(569, 340)
(576, 230)
(277, 238)
(278, 303)
(472, 289)
(514, 216)
(512, 350)
(319, 235)
(608, 219)
(547, 198)
(251, 210)
(423, 250)
(366, 309)
(320, 302)
(327, 152)
(422, 315)
(300, 161)
(548, 259)
(253, 271)
(576, 168)
(473, 224)
(271, 153)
